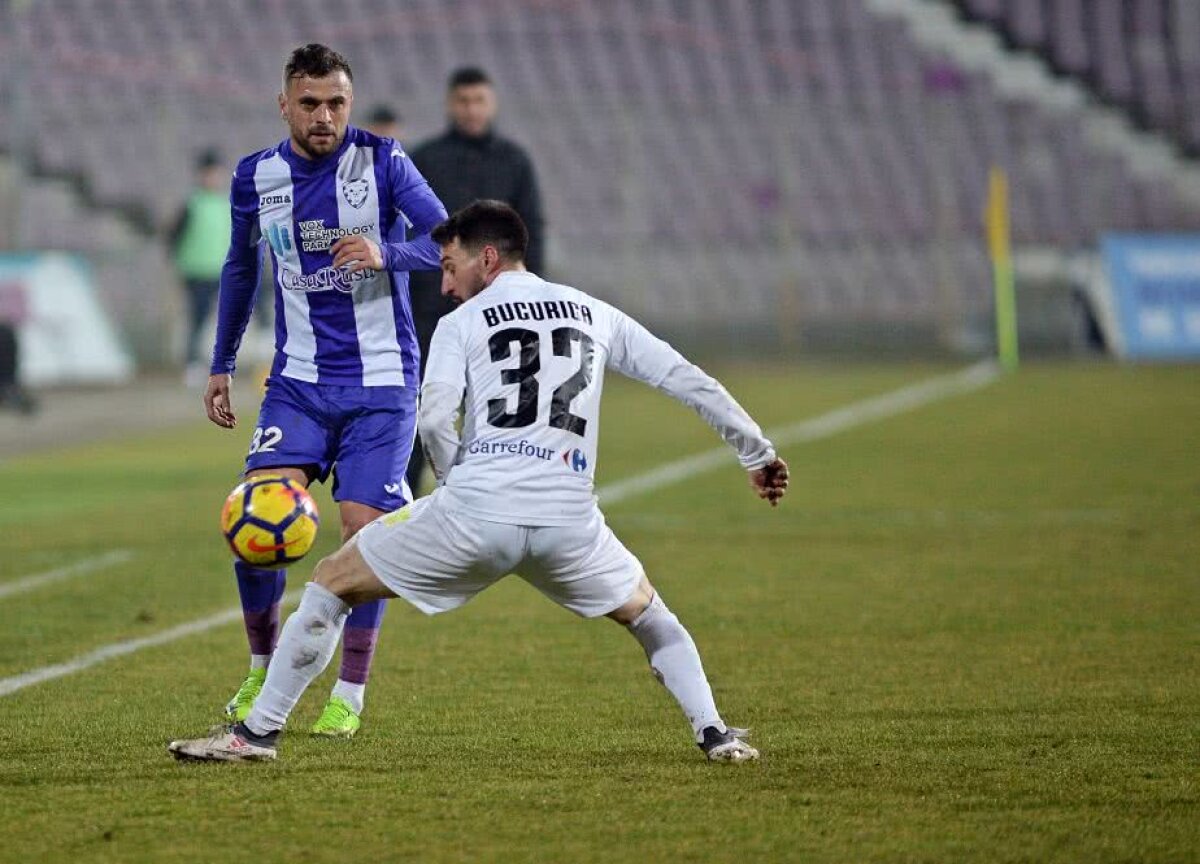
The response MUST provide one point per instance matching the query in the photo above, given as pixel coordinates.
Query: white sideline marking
(87, 565)
(823, 426)
(856, 414)
(120, 649)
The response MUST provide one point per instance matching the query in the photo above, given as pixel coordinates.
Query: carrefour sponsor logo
(511, 448)
(325, 279)
(575, 459)
(315, 237)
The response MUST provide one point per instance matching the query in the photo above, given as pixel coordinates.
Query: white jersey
(526, 358)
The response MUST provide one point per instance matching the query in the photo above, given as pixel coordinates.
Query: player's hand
(356, 252)
(771, 481)
(217, 403)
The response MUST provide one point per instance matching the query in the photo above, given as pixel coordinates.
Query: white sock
(260, 661)
(306, 645)
(351, 692)
(676, 663)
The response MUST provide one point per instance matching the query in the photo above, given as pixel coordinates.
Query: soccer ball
(269, 521)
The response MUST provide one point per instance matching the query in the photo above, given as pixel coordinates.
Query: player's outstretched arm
(217, 403)
(641, 355)
(770, 481)
(420, 209)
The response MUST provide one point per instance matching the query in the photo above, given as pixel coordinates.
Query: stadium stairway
(990, 40)
(1141, 56)
(752, 168)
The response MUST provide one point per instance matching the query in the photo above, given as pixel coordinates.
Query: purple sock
(358, 641)
(260, 591)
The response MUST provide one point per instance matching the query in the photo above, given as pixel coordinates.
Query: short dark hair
(465, 76)
(209, 157)
(382, 114)
(315, 61)
(486, 223)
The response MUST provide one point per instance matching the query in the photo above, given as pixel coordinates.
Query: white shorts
(438, 558)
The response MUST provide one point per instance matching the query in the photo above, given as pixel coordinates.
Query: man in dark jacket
(470, 161)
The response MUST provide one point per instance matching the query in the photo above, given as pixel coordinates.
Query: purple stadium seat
(806, 136)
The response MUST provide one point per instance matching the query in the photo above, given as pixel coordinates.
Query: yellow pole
(1000, 250)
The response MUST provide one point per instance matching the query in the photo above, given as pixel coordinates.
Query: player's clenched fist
(771, 481)
(357, 253)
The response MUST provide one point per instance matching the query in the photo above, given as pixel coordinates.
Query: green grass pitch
(969, 634)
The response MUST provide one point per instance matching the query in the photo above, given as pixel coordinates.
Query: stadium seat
(816, 129)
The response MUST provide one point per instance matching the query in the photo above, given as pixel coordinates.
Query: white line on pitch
(824, 426)
(87, 565)
(856, 414)
(120, 649)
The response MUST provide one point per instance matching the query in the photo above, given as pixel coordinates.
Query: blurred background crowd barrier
(749, 176)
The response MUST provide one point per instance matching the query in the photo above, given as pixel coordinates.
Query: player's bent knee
(355, 517)
(353, 523)
(336, 572)
(299, 475)
(628, 611)
(346, 575)
(325, 573)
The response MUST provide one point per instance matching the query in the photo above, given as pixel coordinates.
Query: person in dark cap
(384, 121)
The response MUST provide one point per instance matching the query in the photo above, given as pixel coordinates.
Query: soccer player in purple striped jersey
(333, 203)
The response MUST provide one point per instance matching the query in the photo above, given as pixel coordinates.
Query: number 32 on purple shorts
(362, 436)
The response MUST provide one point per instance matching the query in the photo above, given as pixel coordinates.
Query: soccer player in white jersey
(526, 358)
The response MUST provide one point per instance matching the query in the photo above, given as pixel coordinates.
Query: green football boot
(338, 720)
(239, 706)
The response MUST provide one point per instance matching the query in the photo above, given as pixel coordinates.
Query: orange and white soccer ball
(269, 521)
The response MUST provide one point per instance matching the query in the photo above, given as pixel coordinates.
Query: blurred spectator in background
(199, 240)
(12, 396)
(382, 120)
(466, 162)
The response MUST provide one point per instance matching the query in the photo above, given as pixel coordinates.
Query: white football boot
(223, 744)
(726, 746)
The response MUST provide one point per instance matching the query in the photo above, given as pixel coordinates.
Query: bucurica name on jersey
(536, 310)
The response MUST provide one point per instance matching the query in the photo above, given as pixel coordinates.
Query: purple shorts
(364, 435)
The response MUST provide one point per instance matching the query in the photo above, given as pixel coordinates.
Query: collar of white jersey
(509, 277)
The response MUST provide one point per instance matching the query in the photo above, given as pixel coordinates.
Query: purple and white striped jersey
(331, 327)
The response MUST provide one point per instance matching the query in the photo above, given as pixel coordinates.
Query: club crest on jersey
(355, 192)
